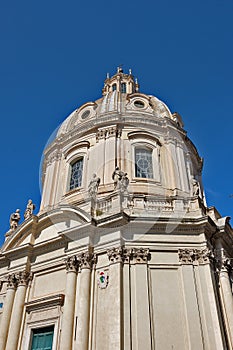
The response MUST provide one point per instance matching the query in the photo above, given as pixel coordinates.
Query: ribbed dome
(124, 129)
(121, 97)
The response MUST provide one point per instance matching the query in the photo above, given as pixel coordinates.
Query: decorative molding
(107, 132)
(11, 281)
(71, 263)
(55, 155)
(102, 279)
(122, 254)
(115, 255)
(192, 256)
(140, 255)
(45, 302)
(86, 260)
(23, 278)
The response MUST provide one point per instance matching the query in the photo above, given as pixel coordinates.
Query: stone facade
(124, 252)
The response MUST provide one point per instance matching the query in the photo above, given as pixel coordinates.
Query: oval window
(139, 104)
(85, 114)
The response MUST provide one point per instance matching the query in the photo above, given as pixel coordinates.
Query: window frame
(70, 172)
(150, 151)
(37, 329)
(72, 154)
(154, 146)
(53, 322)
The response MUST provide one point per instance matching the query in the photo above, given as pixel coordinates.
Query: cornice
(44, 303)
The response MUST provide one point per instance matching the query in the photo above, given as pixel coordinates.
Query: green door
(42, 339)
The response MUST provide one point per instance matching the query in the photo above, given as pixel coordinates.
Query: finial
(136, 80)
(130, 71)
(107, 75)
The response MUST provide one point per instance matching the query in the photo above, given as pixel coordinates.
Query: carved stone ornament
(86, 260)
(93, 186)
(23, 278)
(71, 263)
(102, 279)
(122, 254)
(29, 209)
(105, 133)
(119, 254)
(140, 255)
(121, 181)
(14, 220)
(190, 256)
(11, 281)
(115, 255)
(55, 155)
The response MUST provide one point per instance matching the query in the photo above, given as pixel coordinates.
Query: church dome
(123, 244)
(121, 96)
(124, 129)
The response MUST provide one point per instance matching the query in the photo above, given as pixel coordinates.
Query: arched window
(114, 87)
(76, 174)
(123, 87)
(143, 163)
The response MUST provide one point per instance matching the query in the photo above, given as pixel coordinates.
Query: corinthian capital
(86, 260)
(71, 263)
(192, 256)
(123, 254)
(23, 277)
(140, 255)
(203, 256)
(116, 255)
(11, 281)
(186, 256)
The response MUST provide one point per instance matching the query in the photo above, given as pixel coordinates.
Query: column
(194, 337)
(115, 320)
(226, 296)
(140, 317)
(17, 312)
(69, 304)
(212, 335)
(7, 309)
(86, 261)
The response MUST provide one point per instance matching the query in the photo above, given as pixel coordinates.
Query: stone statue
(14, 219)
(196, 189)
(29, 210)
(93, 186)
(120, 179)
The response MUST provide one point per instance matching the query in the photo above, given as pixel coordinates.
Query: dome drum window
(143, 163)
(76, 174)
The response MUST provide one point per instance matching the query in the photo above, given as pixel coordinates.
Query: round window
(85, 114)
(139, 104)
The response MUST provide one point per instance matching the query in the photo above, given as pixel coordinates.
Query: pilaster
(86, 262)
(22, 278)
(69, 304)
(7, 310)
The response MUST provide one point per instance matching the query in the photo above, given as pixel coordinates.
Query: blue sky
(55, 56)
